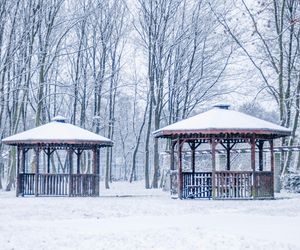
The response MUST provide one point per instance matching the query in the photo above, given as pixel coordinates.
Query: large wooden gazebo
(38, 150)
(223, 128)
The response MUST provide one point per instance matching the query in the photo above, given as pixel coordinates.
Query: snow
(56, 132)
(224, 119)
(130, 217)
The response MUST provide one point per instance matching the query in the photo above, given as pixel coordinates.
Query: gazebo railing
(197, 185)
(233, 184)
(85, 185)
(53, 184)
(59, 184)
(228, 185)
(26, 184)
(264, 184)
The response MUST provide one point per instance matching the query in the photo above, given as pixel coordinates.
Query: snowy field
(129, 217)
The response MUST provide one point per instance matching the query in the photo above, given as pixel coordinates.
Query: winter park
(140, 124)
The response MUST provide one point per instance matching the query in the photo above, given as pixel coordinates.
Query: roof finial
(59, 118)
(222, 106)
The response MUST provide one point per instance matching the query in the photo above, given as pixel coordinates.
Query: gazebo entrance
(222, 129)
(39, 149)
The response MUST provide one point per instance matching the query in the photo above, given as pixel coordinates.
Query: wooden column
(48, 160)
(252, 142)
(96, 170)
(260, 155)
(213, 162)
(180, 177)
(172, 167)
(172, 179)
(70, 152)
(228, 155)
(37, 165)
(193, 148)
(272, 164)
(23, 167)
(18, 188)
(78, 153)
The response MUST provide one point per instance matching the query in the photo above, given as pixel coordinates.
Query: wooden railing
(264, 185)
(229, 185)
(197, 185)
(233, 185)
(84, 185)
(59, 184)
(53, 184)
(26, 182)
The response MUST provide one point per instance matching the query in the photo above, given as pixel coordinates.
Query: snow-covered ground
(129, 217)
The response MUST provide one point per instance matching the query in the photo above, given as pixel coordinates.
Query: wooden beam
(23, 167)
(228, 155)
(213, 162)
(260, 155)
(37, 165)
(18, 188)
(173, 144)
(193, 148)
(252, 142)
(272, 164)
(70, 152)
(78, 153)
(48, 159)
(180, 177)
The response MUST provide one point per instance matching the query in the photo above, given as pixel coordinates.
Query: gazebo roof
(221, 120)
(57, 132)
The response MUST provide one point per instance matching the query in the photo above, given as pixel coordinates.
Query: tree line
(126, 68)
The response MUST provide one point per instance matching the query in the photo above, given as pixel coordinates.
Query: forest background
(124, 68)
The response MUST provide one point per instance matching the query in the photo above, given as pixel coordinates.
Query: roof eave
(170, 133)
(57, 142)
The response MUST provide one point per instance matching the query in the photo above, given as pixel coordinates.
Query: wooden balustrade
(229, 185)
(233, 184)
(264, 184)
(26, 184)
(59, 184)
(85, 185)
(197, 185)
(53, 184)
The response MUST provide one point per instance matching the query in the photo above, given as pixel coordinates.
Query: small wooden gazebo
(35, 174)
(225, 128)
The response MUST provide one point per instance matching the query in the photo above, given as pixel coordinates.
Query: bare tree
(275, 28)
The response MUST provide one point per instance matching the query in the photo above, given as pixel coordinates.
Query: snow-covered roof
(222, 120)
(57, 132)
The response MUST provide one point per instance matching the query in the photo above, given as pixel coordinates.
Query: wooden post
(252, 142)
(95, 165)
(180, 177)
(18, 188)
(37, 165)
(172, 168)
(272, 164)
(78, 161)
(213, 162)
(23, 167)
(193, 148)
(228, 155)
(96, 170)
(260, 155)
(70, 151)
(48, 160)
